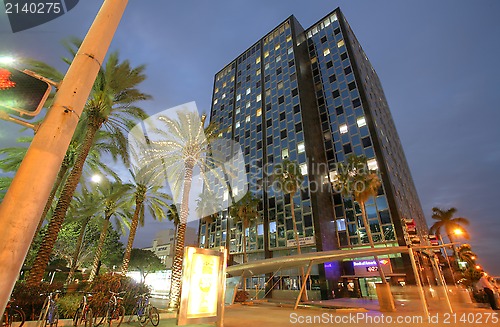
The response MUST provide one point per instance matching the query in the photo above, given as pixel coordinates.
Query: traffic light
(20, 93)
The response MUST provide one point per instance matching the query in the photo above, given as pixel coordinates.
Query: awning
(265, 266)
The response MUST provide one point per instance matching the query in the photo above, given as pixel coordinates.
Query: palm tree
(446, 221)
(355, 180)
(4, 185)
(147, 196)
(464, 253)
(245, 211)
(110, 108)
(287, 177)
(116, 203)
(183, 145)
(208, 206)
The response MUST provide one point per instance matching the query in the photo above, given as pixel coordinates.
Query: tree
(111, 105)
(208, 206)
(183, 145)
(465, 254)
(146, 262)
(245, 211)
(355, 180)
(287, 177)
(147, 196)
(116, 203)
(446, 221)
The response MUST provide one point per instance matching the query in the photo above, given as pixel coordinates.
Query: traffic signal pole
(25, 200)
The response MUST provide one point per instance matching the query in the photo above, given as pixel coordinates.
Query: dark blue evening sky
(438, 62)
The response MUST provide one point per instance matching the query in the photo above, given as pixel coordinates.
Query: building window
(301, 147)
(281, 99)
(366, 141)
(237, 125)
(247, 119)
(278, 58)
(326, 52)
(259, 112)
(352, 86)
(361, 121)
(258, 97)
(282, 116)
(340, 43)
(269, 140)
(303, 168)
(347, 70)
(269, 122)
(332, 78)
(296, 109)
(343, 56)
(216, 100)
(278, 71)
(294, 92)
(266, 54)
(257, 72)
(329, 64)
(372, 164)
(356, 103)
(284, 153)
(247, 104)
(224, 96)
(280, 85)
(266, 66)
(238, 97)
(249, 90)
(277, 46)
(238, 110)
(336, 31)
(339, 110)
(323, 39)
(343, 129)
(283, 134)
(336, 94)
(290, 50)
(298, 127)
(288, 38)
(257, 60)
(347, 148)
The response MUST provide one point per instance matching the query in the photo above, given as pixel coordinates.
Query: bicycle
(113, 311)
(49, 314)
(84, 312)
(144, 311)
(13, 315)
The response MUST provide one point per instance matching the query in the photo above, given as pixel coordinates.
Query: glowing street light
(96, 178)
(458, 231)
(7, 60)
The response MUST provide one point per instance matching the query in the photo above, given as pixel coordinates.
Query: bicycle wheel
(117, 317)
(77, 318)
(16, 317)
(100, 315)
(154, 316)
(55, 319)
(143, 317)
(42, 319)
(89, 318)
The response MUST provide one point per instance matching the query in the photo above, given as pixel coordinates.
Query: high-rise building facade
(312, 96)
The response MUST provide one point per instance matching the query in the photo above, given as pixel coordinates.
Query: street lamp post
(24, 202)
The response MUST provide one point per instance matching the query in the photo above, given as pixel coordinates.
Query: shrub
(68, 304)
(31, 299)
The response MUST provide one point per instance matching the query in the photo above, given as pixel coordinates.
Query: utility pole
(25, 200)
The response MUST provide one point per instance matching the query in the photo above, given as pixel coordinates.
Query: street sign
(20, 93)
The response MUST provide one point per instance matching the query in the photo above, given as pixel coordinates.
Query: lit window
(278, 58)
(326, 52)
(288, 38)
(333, 18)
(247, 105)
(303, 168)
(258, 72)
(216, 100)
(238, 97)
(258, 98)
(290, 50)
(224, 96)
(266, 54)
(226, 195)
(259, 112)
(327, 22)
(361, 121)
(235, 190)
(301, 147)
(232, 78)
(341, 224)
(257, 60)
(224, 85)
(277, 47)
(340, 43)
(334, 176)
(343, 129)
(249, 90)
(280, 85)
(266, 66)
(284, 153)
(238, 110)
(313, 60)
(372, 164)
(237, 124)
(216, 90)
(247, 119)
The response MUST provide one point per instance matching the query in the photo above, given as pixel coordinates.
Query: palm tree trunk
(100, 246)
(370, 240)
(78, 249)
(133, 229)
(175, 287)
(292, 204)
(43, 255)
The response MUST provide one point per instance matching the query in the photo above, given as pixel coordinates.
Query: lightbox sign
(366, 263)
(368, 268)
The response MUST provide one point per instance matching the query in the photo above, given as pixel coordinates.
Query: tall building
(312, 96)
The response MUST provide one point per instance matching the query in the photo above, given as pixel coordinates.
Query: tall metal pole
(420, 290)
(24, 202)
